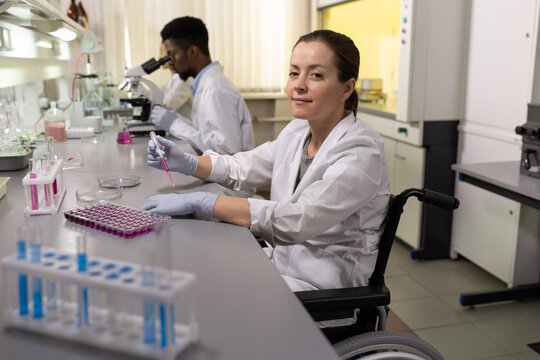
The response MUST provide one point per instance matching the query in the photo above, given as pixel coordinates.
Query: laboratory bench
(516, 257)
(244, 309)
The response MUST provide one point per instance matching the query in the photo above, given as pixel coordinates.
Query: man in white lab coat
(220, 119)
(176, 93)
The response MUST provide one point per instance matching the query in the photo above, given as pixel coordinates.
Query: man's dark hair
(186, 31)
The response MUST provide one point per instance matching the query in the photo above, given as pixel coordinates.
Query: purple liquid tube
(33, 188)
(46, 187)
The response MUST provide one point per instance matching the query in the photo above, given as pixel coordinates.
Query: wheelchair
(365, 336)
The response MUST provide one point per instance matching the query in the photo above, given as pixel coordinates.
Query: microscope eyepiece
(152, 65)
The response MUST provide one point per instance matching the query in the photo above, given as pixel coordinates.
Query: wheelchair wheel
(386, 345)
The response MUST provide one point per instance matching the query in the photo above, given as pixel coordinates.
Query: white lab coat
(325, 233)
(220, 119)
(177, 96)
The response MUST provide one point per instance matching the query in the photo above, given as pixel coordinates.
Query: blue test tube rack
(118, 280)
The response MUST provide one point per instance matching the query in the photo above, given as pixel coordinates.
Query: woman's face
(313, 89)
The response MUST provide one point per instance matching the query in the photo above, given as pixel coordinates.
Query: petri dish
(88, 194)
(73, 161)
(119, 182)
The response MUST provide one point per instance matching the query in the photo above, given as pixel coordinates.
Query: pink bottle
(55, 123)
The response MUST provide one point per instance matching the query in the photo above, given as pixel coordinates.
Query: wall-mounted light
(44, 44)
(64, 34)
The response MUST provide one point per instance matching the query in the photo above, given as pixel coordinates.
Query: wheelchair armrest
(339, 303)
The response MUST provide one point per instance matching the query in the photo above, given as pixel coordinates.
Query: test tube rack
(44, 189)
(115, 322)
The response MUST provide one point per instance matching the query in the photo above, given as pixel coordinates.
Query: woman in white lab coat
(329, 179)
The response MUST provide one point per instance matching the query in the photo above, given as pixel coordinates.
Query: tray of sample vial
(115, 219)
(115, 305)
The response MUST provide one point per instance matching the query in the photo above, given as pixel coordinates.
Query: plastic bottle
(55, 123)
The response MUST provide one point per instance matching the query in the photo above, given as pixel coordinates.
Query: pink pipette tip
(167, 170)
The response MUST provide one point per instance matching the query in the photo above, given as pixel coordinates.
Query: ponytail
(352, 102)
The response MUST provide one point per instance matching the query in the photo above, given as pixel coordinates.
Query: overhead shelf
(39, 15)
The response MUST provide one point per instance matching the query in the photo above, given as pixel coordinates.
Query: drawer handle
(401, 157)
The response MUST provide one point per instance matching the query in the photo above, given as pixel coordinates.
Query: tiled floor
(425, 297)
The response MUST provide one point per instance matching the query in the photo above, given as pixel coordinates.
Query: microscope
(146, 94)
(530, 131)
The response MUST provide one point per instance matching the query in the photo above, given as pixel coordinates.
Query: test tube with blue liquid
(24, 235)
(166, 311)
(37, 282)
(50, 284)
(82, 293)
(148, 280)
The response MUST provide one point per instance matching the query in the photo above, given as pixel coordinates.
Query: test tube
(33, 188)
(82, 294)
(50, 158)
(37, 283)
(23, 281)
(166, 311)
(147, 280)
(46, 187)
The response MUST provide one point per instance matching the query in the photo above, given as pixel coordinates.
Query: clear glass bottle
(92, 102)
(55, 123)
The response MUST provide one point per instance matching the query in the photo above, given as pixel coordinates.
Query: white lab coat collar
(337, 132)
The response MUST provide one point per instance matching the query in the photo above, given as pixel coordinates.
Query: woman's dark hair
(186, 31)
(347, 58)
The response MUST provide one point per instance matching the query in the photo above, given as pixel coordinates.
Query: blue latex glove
(176, 159)
(163, 117)
(181, 204)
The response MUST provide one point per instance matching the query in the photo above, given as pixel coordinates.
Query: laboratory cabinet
(419, 155)
(487, 227)
(406, 169)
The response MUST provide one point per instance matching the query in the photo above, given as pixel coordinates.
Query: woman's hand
(181, 204)
(176, 159)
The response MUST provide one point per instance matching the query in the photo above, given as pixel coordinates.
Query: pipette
(154, 139)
